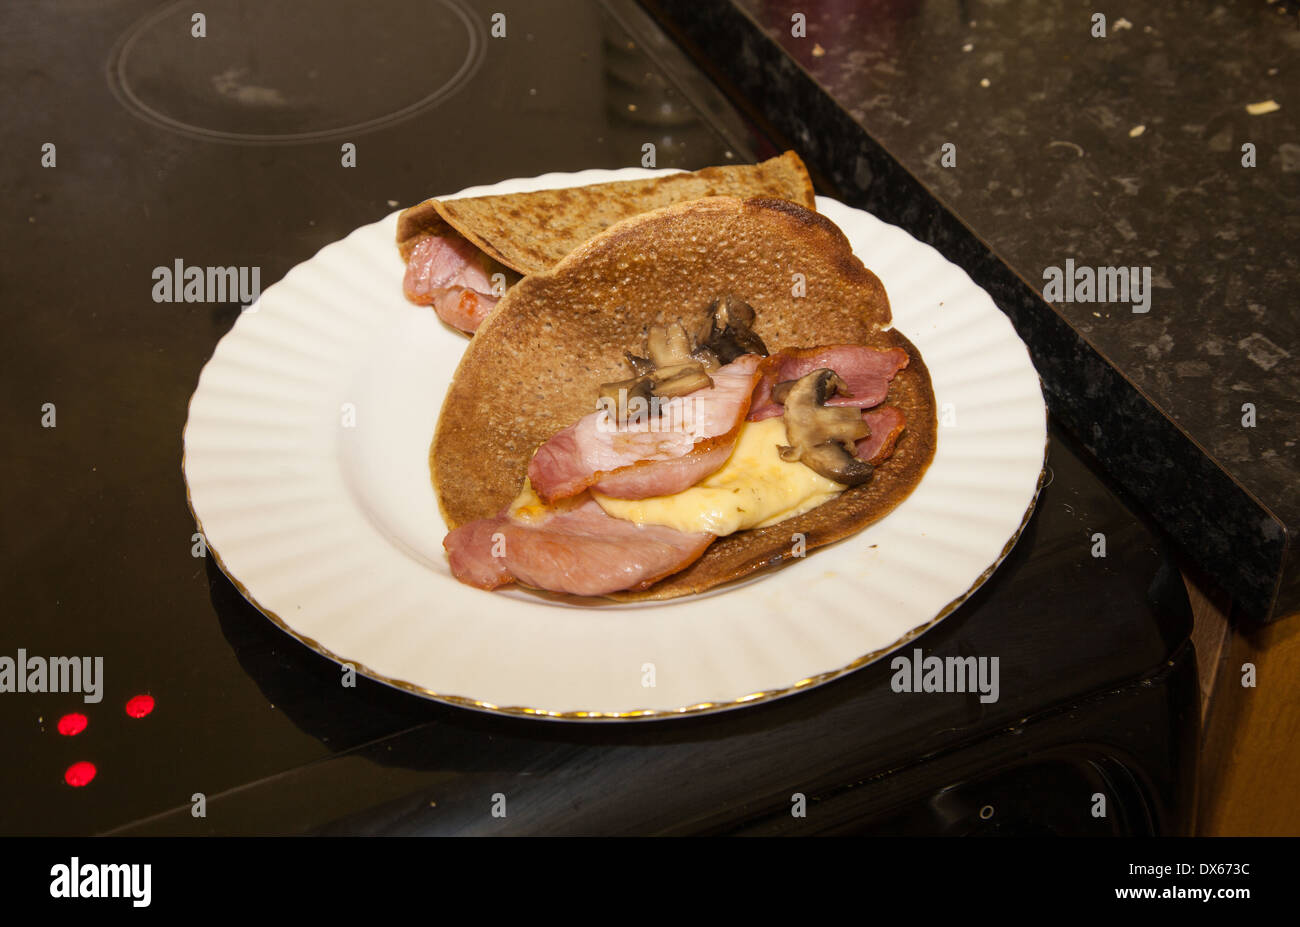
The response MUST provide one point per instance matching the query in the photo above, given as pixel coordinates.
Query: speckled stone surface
(1123, 150)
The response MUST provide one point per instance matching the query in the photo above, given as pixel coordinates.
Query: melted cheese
(529, 508)
(753, 489)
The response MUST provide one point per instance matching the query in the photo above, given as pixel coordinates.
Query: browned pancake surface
(531, 232)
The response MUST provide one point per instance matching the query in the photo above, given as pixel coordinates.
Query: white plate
(306, 464)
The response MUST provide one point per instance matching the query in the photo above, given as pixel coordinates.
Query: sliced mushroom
(664, 382)
(637, 386)
(677, 362)
(733, 312)
(640, 365)
(668, 345)
(730, 330)
(822, 438)
(706, 359)
(679, 380)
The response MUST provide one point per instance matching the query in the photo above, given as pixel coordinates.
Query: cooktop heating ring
(281, 73)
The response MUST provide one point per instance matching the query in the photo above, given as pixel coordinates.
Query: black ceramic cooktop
(228, 149)
(1154, 141)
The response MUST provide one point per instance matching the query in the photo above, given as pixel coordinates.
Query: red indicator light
(139, 705)
(79, 774)
(72, 724)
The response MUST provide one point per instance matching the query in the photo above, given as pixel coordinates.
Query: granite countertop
(1051, 145)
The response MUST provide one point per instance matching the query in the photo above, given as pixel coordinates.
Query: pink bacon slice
(577, 549)
(866, 371)
(886, 424)
(451, 275)
(649, 456)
